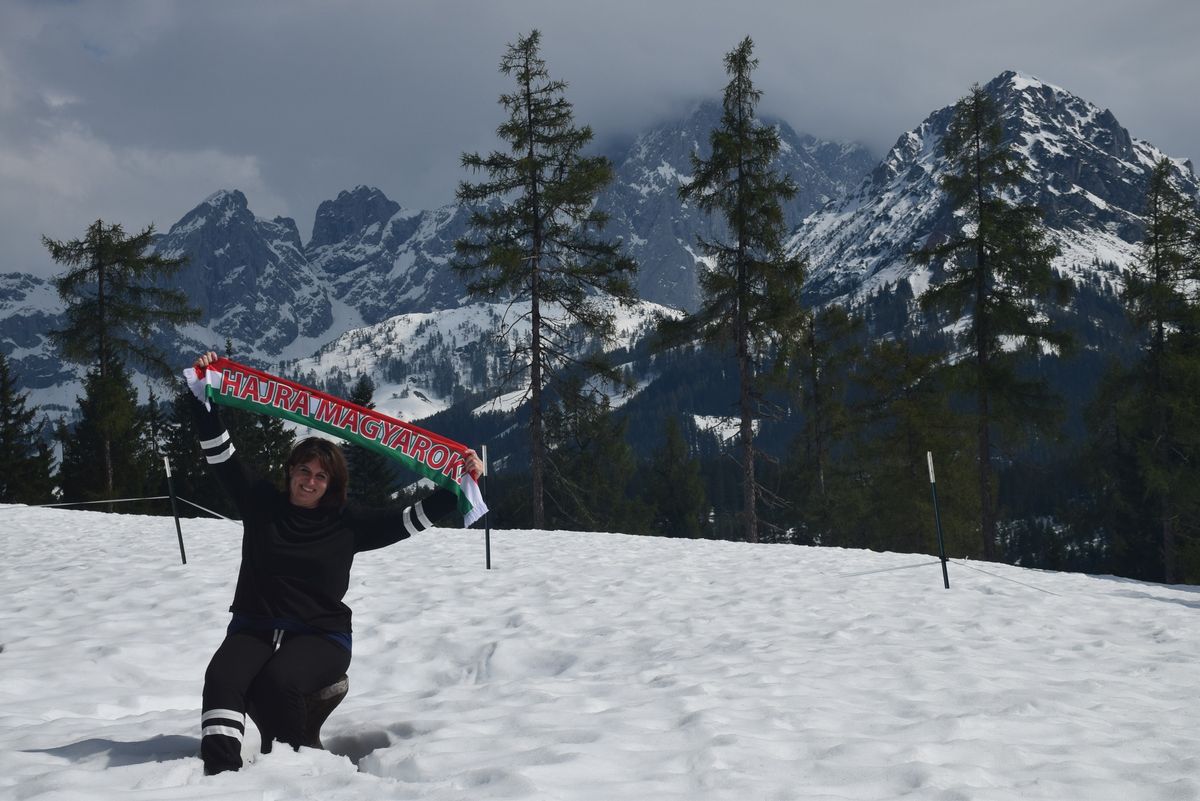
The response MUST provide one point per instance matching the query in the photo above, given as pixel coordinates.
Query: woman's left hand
(474, 463)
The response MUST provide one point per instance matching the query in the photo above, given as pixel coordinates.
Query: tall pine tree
(996, 268)
(1149, 423)
(821, 353)
(115, 305)
(752, 290)
(534, 238)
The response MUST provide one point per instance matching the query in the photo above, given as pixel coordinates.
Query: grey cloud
(301, 99)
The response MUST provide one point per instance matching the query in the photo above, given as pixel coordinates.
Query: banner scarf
(441, 460)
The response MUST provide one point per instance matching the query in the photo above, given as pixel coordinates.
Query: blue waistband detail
(246, 623)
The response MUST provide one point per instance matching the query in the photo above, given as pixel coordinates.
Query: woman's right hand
(203, 361)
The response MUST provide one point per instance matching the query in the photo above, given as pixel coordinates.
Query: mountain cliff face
(383, 260)
(660, 232)
(1083, 170)
(248, 275)
(29, 310)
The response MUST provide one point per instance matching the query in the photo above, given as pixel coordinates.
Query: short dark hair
(331, 459)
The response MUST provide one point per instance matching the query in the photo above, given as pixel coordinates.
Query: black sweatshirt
(296, 562)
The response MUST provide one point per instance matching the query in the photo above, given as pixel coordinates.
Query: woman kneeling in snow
(288, 644)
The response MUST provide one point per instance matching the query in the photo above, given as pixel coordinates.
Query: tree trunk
(815, 408)
(749, 482)
(537, 434)
(987, 518)
(1170, 555)
(104, 371)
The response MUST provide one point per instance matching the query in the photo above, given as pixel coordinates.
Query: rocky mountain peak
(223, 208)
(350, 213)
(1082, 169)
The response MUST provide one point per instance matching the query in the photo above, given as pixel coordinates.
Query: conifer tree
(996, 268)
(24, 457)
(1151, 412)
(752, 290)
(674, 489)
(822, 353)
(109, 414)
(370, 473)
(534, 237)
(907, 413)
(114, 298)
(591, 469)
(115, 305)
(815, 362)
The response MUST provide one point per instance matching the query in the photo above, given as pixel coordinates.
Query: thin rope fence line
(83, 503)
(885, 570)
(210, 511)
(1004, 578)
(114, 500)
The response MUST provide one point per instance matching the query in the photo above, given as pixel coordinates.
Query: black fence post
(937, 517)
(175, 509)
(487, 518)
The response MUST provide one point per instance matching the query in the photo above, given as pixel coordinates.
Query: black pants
(250, 667)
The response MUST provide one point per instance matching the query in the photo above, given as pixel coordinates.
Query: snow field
(602, 666)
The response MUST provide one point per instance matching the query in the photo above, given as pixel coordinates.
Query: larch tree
(535, 240)
(995, 272)
(115, 304)
(1155, 403)
(751, 292)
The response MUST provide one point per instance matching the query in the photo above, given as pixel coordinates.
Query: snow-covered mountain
(423, 362)
(276, 298)
(1083, 169)
(660, 232)
(279, 299)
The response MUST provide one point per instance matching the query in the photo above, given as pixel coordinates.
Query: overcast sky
(135, 111)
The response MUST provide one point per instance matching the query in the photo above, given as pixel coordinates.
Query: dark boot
(317, 708)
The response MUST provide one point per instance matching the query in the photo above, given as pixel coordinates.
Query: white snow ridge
(598, 667)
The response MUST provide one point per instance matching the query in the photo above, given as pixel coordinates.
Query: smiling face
(307, 483)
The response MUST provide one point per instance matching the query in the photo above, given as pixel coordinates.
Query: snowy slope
(592, 667)
(421, 363)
